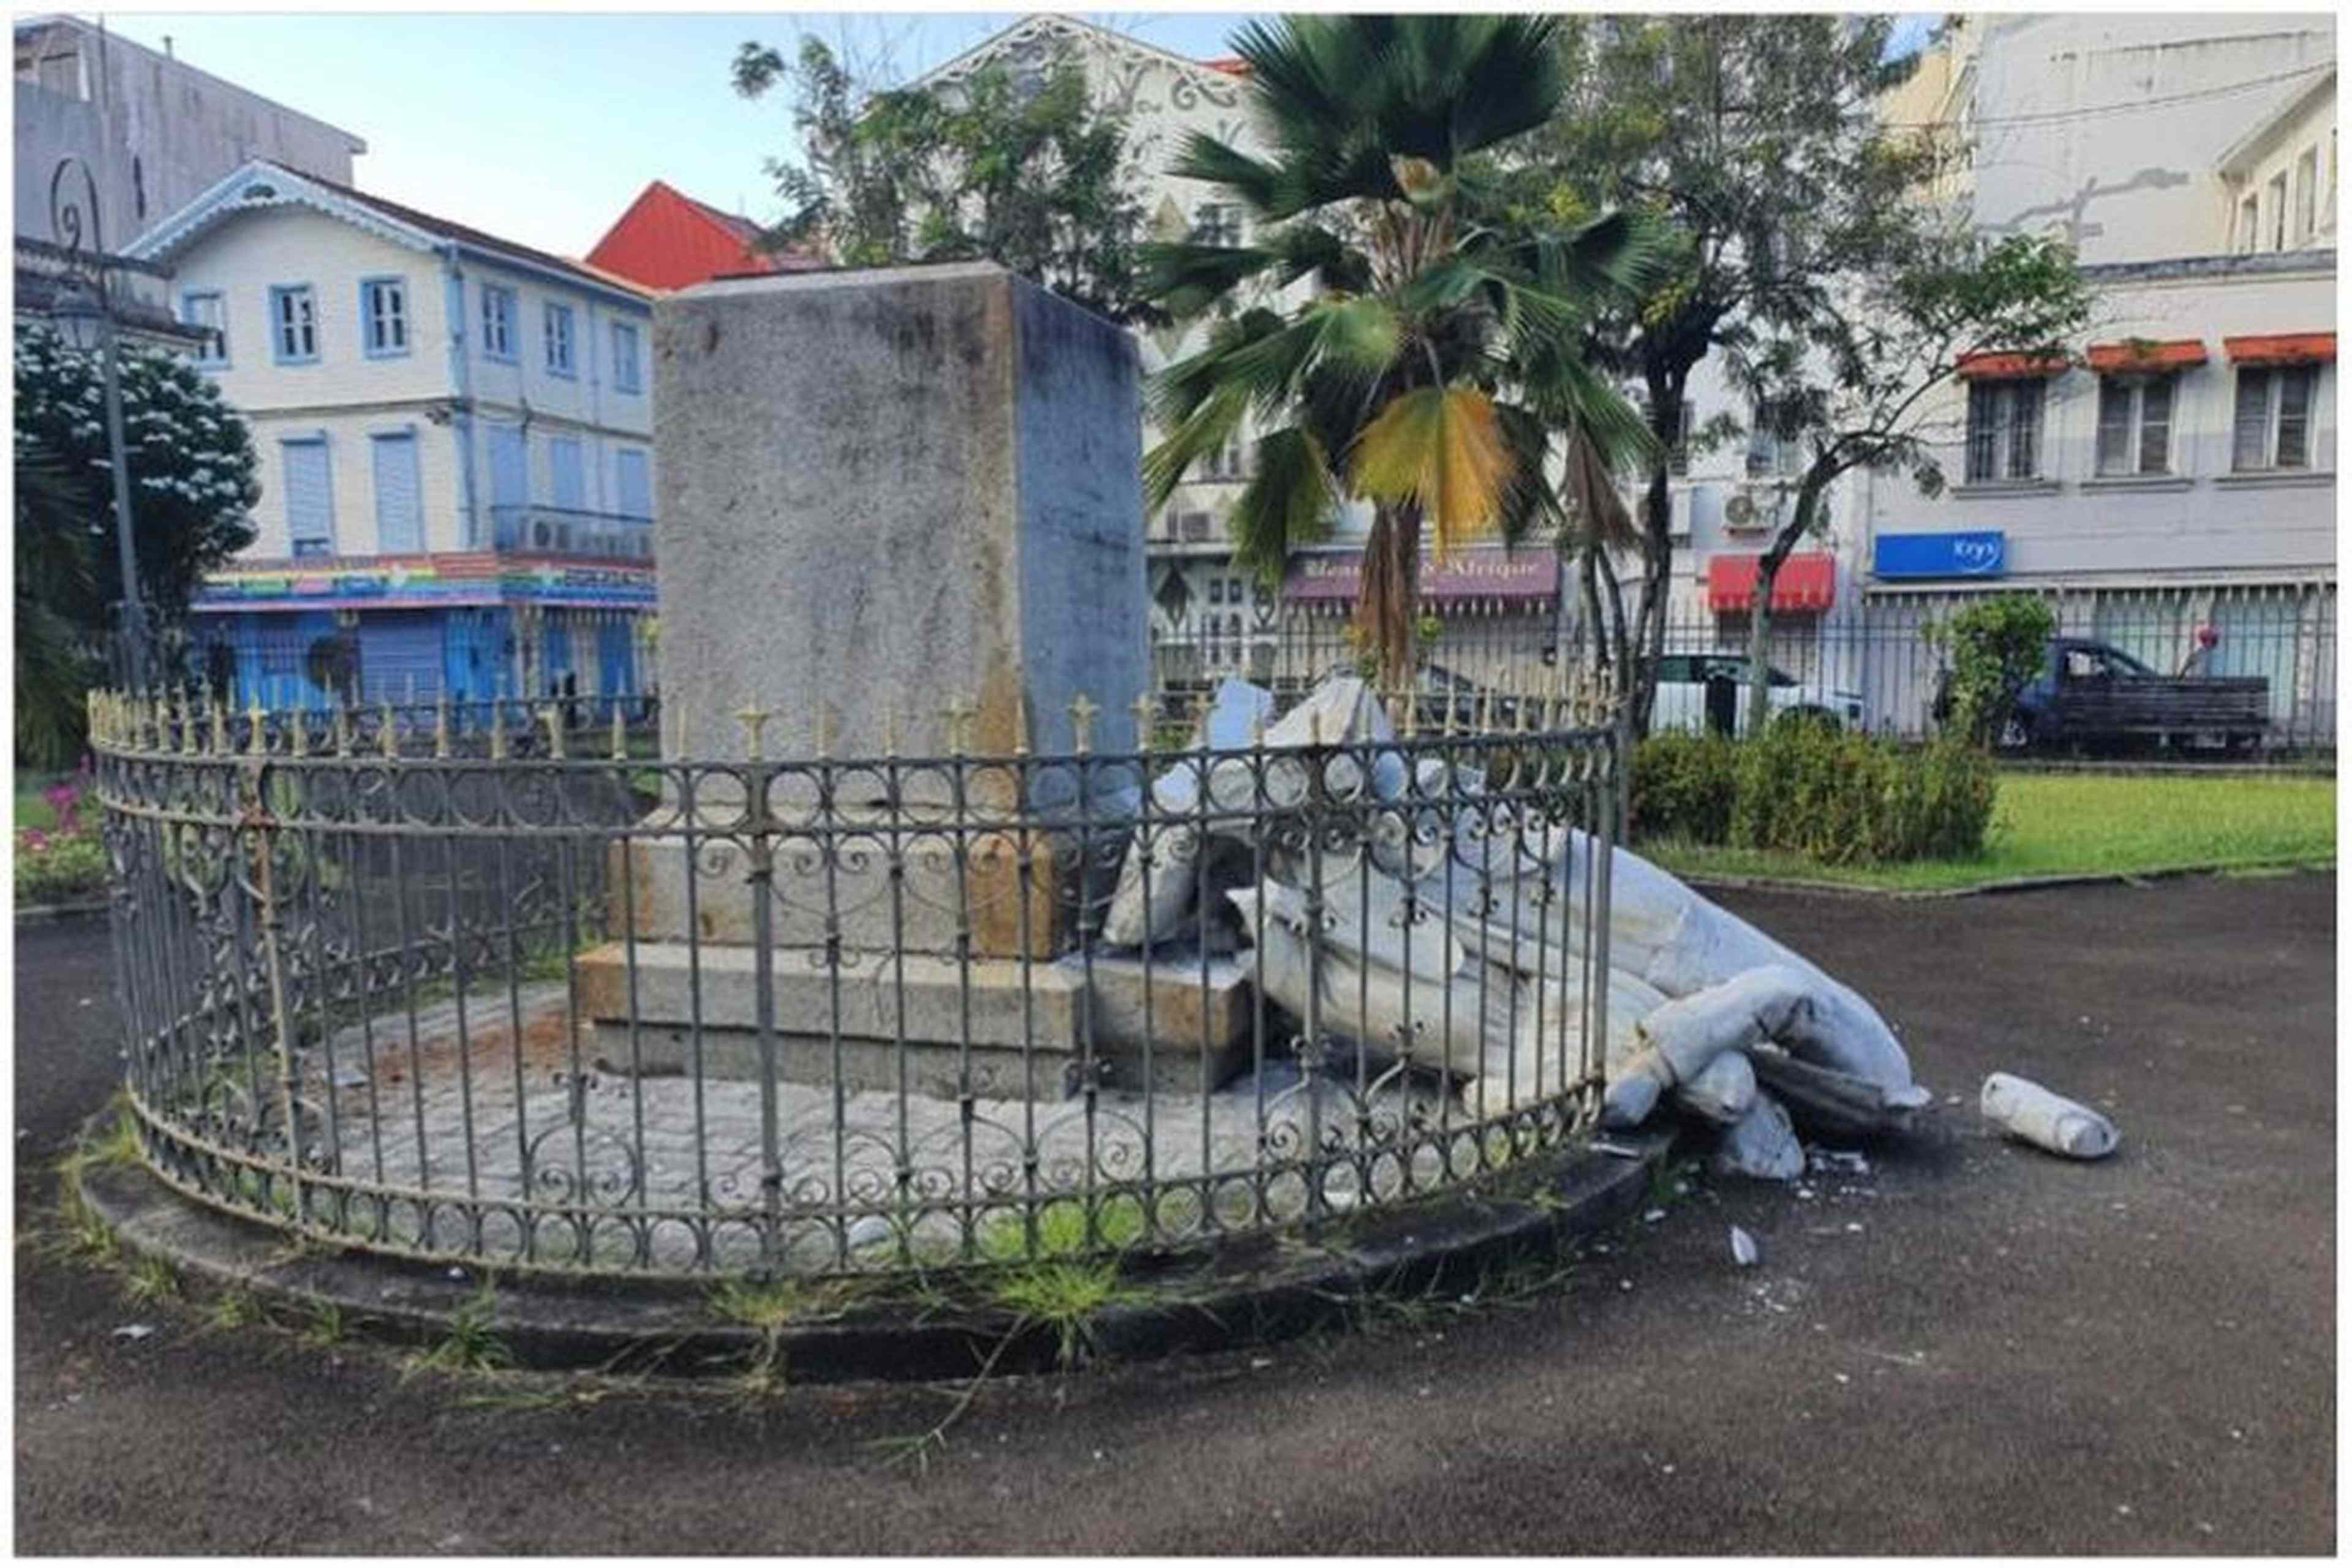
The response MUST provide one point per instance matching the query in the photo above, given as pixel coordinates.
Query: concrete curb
(2006, 884)
(1252, 1290)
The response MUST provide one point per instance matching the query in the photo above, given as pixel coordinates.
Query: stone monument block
(887, 493)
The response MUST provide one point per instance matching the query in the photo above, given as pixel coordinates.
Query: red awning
(1803, 583)
(2283, 348)
(2006, 367)
(1484, 571)
(2121, 359)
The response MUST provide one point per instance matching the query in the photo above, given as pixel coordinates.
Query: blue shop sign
(1984, 554)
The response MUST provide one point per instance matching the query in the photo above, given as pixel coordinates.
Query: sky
(543, 127)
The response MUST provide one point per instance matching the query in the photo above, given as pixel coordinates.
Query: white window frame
(383, 318)
(2276, 192)
(2273, 381)
(498, 323)
(555, 325)
(2250, 224)
(212, 352)
(2131, 394)
(627, 373)
(293, 323)
(1999, 444)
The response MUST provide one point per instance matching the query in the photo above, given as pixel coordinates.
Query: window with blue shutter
(558, 322)
(497, 323)
(310, 497)
(293, 324)
(632, 483)
(399, 496)
(384, 317)
(208, 310)
(564, 473)
(625, 375)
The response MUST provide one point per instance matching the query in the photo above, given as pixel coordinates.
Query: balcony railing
(563, 531)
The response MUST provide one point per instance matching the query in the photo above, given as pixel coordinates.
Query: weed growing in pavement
(322, 1326)
(150, 1279)
(472, 1344)
(232, 1309)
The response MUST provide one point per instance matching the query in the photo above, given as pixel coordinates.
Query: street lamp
(86, 315)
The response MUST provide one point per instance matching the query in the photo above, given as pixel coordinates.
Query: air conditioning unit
(1753, 508)
(1192, 527)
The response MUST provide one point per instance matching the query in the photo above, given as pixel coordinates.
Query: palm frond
(1441, 447)
(1288, 501)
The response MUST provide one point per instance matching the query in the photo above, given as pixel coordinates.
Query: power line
(2099, 110)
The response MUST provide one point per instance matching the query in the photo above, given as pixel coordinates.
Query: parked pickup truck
(2091, 695)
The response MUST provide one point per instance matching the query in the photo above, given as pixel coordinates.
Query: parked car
(1691, 695)
(2093, 695)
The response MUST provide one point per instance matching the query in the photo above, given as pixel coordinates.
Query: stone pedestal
(1016, 1028)
(900, 514)
(999, 887)
(885, 493)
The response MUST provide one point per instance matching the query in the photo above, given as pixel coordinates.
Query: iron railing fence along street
(1871, 664)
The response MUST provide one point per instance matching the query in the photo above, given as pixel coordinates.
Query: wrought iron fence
(391, 983)
(1869, 664)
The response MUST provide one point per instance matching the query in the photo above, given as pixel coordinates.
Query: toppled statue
(1460, 939)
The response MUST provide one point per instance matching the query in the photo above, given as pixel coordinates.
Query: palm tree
(1437, 359)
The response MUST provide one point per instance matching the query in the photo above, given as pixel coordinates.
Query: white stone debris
(2027, 1111)
(1743, 1249)
(1763, 1144)
(1463, 938)
(1157, 880)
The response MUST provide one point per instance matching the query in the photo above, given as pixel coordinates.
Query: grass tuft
(472, 1344)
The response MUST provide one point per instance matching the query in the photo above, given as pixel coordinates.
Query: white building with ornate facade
(455, 445)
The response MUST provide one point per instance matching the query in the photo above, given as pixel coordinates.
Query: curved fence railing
(446, 984)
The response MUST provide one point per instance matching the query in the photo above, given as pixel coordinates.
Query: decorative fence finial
(553, 717)
(1082, 723)
(755, 719)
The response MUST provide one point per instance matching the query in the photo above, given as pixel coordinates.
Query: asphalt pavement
(1970, 1347)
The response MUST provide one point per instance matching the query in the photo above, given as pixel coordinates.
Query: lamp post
(84, 313)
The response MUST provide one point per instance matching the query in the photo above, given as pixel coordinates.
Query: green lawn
(2048, 825)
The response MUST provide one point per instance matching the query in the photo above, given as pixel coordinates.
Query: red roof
(1804, 582)
(1231, 64)
(667, 239)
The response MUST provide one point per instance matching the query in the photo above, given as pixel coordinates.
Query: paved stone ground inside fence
(408, 1116)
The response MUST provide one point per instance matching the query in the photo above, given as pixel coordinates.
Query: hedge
(1840, 798)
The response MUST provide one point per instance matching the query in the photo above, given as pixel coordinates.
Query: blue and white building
(455, 436)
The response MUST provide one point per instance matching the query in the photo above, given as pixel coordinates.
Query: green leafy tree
(1432, 366)
(56, 598)
(1856, 384)
(1029, 172)
(191, 467)
(1997, 646)
(1757, 137)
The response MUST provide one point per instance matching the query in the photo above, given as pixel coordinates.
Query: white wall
(2202, 518)
(349, 395)
(588, 405)
(2137, 183)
